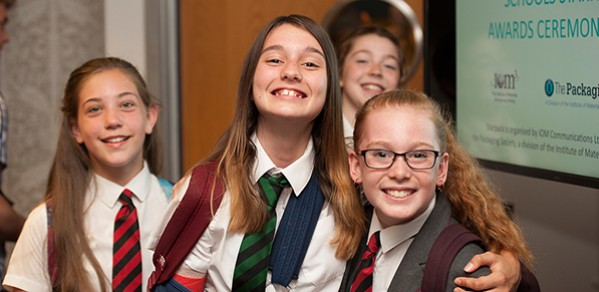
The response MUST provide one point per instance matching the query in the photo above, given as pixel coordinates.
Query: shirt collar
(348, 128)
(108, 192)
(297, 173)
(394, 235)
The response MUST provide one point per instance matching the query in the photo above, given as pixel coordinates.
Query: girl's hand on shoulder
(504, 277)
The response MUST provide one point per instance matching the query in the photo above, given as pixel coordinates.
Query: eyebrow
(370, 52)
(97, 99)
(280, 48)
(379, 144)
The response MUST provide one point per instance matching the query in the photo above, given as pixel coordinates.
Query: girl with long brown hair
(287, 123)
(106, 146)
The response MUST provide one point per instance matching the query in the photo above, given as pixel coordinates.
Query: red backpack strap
(451, 240)
(187, 223)
(52, 265)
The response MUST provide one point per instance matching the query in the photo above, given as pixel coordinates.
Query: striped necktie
(126, 260)
(363, 281)
(252, 262)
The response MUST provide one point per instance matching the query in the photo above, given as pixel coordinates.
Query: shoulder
(30, 274)
(38, 217)
(166, 186)
(35, 231)
(459, 262)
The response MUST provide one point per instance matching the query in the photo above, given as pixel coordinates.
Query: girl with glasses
(413, 171)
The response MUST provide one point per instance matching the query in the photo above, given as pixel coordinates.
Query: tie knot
(125, 197)
(273, 185)
(278, 180)
(374, 243)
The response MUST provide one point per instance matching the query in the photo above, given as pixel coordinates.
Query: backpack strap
(187, 224)
(447, 245)
(167, 187)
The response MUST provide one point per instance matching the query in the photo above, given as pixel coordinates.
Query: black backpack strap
(187, 223)
(447, 245)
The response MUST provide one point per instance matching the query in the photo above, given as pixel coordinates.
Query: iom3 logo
(505, 80)
(504, 85)
(549, 87)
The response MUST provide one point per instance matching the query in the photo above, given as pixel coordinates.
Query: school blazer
(410, 272)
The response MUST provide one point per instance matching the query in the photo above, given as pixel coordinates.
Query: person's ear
(76, 132)
(355, 170)
(443, 169)
(151, 118)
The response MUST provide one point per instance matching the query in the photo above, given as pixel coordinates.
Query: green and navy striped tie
(252, 262)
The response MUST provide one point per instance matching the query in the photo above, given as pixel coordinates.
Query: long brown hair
(236, 153)
(70, 177)
(474, 202)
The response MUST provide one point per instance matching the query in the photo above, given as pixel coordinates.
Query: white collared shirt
(348, 133)
(28, 267)
(395, 241)
(216, 251)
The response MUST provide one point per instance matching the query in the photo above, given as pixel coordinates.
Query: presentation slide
(528, 83)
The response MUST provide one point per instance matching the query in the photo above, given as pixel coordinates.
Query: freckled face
(290, 82)
(399, 194)
(112, 123)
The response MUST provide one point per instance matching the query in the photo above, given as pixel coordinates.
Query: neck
(284, 144)
(349, 111)
(119, 175)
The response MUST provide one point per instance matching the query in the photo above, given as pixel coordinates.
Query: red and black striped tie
(126, 259)
(363, 281)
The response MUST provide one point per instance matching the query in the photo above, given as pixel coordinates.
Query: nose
(291, 72)
(399, 169)
(375, 70)
(112, 118)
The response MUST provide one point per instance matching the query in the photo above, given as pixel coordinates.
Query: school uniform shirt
(348, 133)
(28, 267)
(216, 251)
(395, 241)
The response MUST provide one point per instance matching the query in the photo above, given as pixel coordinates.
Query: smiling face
(372, 66)
(112, 123)
(399, 194)
(290, 82)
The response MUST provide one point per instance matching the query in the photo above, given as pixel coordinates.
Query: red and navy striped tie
(363, 281)
(126, 260)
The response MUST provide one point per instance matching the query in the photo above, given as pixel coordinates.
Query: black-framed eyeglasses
(416, 159)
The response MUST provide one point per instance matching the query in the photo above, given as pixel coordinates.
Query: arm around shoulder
(505, 272)
(461, 259)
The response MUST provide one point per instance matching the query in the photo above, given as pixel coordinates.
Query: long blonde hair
(235, 152)
(473, 201)
(70, 177)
